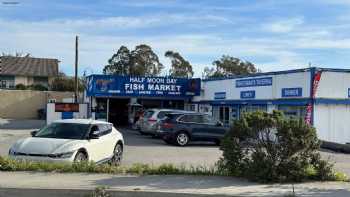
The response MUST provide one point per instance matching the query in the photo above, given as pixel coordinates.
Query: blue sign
(248, 94)
(67, 115)
(292, 92)
(265, 81)
(113, 85)
(220, 95)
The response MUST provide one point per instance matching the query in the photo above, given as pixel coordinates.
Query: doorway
(118, 112)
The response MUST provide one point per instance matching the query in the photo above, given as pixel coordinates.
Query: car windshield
(64, 131)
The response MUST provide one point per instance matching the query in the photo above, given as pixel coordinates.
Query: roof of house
(29, 66)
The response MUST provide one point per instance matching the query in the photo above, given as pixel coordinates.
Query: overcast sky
(273, 34)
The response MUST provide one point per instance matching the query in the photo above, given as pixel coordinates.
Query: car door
(100, 149)
(107, 140)
(95, 146)
(213, 130)
(197, 126)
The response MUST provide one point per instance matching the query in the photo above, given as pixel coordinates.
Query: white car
(72, 140)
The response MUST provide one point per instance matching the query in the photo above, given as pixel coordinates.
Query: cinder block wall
(24, 104)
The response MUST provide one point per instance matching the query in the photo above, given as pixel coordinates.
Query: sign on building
(264, 81)
(110, 85)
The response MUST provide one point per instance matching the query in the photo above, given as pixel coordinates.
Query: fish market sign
(108, 85)
(265, 81)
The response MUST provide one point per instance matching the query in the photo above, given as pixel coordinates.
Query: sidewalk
(169, 184)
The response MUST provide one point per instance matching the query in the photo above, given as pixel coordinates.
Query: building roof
(29, 66)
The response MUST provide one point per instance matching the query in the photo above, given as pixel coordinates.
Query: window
(191, 119)
(253, 108)
(63, 131)
(162, 114)
(7, 82)
(104, 129)
(209, 120)
(149, 113)
(293, 111)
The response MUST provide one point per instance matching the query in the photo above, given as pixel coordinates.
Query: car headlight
(62, 155)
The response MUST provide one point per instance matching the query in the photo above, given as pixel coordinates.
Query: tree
(179, 66)
(271, 148)
(145, 61)
(230, 66)
(119, 63)
(140, 61)
(64, 83)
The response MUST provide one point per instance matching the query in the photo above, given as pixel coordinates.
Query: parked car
(149, 122)
(181, 128)
(72, 140)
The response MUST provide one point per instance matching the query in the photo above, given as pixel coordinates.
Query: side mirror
(33, 133)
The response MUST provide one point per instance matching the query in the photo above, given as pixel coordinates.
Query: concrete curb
(16, 192)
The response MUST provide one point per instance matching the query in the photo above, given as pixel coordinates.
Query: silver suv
(149, 122)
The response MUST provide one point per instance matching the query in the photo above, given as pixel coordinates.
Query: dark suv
(181, 128)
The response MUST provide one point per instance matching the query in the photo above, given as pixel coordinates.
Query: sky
(272, 34)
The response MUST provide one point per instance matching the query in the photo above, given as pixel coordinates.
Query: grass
(7, 164)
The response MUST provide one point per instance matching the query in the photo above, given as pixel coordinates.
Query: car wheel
(80, 157)
(117, 155)
(182, 139)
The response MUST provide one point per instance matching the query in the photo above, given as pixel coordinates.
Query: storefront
(117, 98)
(317, 95)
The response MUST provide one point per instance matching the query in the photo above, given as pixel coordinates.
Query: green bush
(37, 87)
(21, 87)
(271, 148)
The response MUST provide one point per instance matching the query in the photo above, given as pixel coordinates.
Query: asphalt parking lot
(145, 149)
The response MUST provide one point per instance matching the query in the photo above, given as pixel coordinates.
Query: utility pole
(0, 64)
(76, 71)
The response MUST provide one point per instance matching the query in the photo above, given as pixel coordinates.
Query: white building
(318, 95)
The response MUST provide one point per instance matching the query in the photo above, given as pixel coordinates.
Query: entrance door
(118, 112)
(224, 115)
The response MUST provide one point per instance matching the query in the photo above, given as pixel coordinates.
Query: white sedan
(72, 140)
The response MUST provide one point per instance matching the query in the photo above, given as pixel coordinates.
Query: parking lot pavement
(145, 149)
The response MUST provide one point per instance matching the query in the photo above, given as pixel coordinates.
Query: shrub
(21, 87)
(271, 148)
(38, 87)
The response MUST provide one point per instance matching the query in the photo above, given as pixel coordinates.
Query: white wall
(332, 122)
(291, 80)
(51, 115)
(333, 85)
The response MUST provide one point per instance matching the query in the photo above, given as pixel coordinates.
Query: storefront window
(293, 111)
(252, 108)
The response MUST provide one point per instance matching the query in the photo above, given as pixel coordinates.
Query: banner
(112, 85)
(314, 87)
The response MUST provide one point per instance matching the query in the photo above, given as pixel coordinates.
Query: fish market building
(117, 98)
(320, 96)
